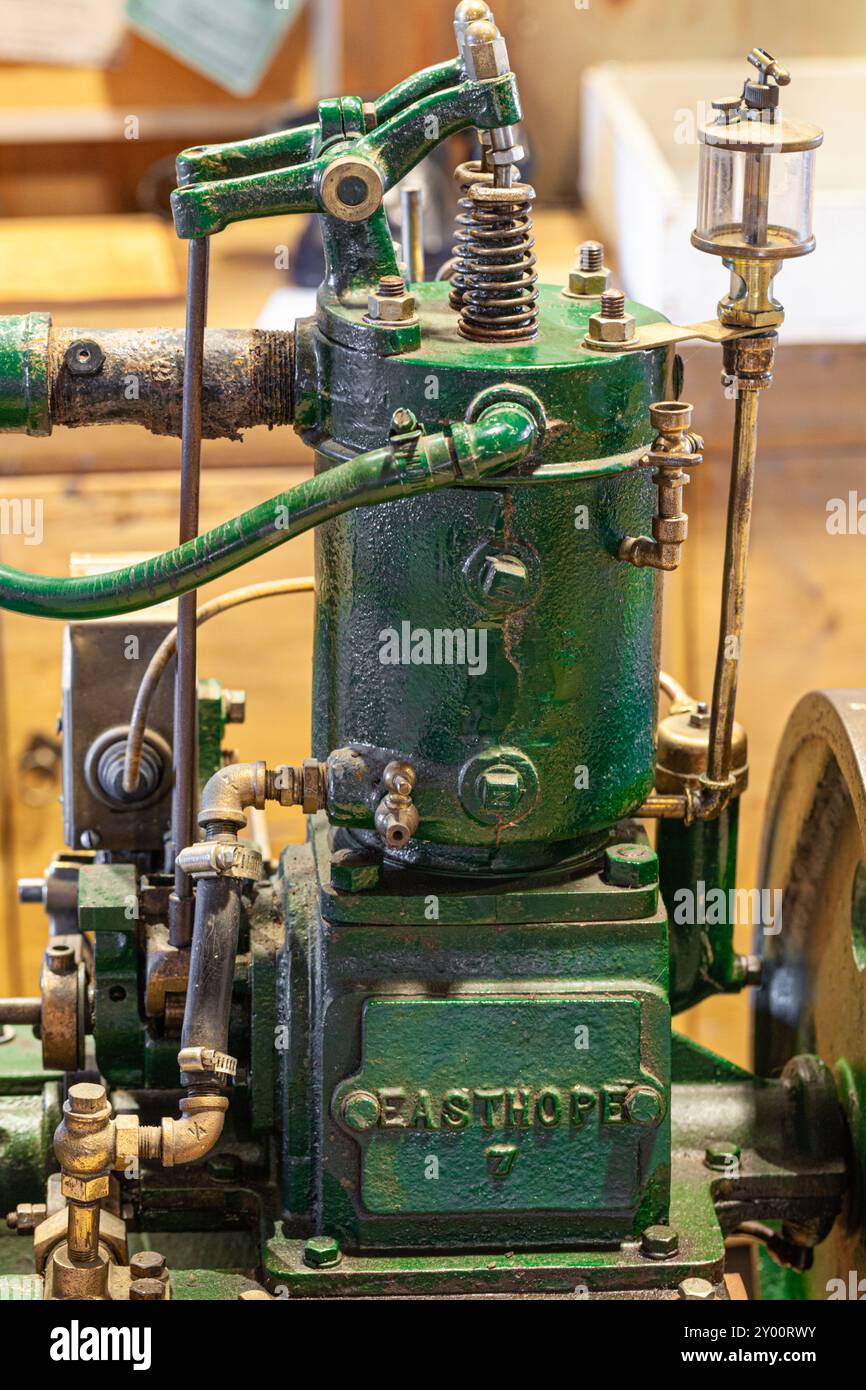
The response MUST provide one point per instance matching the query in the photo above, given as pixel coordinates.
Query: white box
(639, 174)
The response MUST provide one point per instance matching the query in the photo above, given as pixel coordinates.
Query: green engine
(430, 1051)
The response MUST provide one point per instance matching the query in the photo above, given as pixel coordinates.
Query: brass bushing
(69, 1280)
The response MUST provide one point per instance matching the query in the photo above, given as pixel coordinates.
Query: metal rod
(20, 1010)
(185, 693)
(412, 232)
(734, 590)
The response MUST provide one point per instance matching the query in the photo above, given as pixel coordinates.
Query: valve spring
(500, 295)
(465, 176)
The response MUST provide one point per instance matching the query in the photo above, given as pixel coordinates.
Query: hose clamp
(205, 1059)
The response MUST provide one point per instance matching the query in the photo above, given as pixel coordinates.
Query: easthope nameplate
(491, 1104)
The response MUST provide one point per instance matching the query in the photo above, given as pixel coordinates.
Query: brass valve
(673, 446)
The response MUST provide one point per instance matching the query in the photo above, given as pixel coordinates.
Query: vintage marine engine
(431, 1051)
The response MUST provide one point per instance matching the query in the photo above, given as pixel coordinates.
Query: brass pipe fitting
(673, 446)
(396, 818)
(84, 1144)
(189, 1138)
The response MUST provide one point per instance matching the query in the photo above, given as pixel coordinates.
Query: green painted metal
(568, 690)
(698, 862)
(211, 727)
(24, 396)
(514, 1024)
(414, 126)
(456, 457)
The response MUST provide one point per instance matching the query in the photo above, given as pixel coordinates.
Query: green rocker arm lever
(349, 178)
(504, 434)
(341, 117)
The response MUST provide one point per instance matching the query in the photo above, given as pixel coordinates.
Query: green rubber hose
(504, 434)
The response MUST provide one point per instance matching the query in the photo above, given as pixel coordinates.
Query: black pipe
(212, 966)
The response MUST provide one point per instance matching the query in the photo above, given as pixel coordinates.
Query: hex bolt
(696, 1289)
(659, 1243)
(643, 1105)
(147, 1264)
(146, 1290)
(611, 327)
(360, 1110)
(320, 1251)
(590, 276)
(631, 866)
(723, 1156)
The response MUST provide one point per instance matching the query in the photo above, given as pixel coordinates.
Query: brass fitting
(611, 326)
(397, 817)
(673, 445)
(188, 1139)
(233, 790)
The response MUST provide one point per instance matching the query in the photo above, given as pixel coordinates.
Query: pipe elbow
(230, 793)
(189, 1137)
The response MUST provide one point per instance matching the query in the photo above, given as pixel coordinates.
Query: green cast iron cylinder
(490, 635)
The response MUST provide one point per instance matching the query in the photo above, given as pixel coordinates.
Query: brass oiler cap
(683, 740)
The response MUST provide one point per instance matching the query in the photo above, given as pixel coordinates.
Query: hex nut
(320, 1251)
(398, 308)
(147, 1290)
(587, 283)
(602, 329)
(630, 865)
(147, 1264)
(84, 1189)
(659, 1243)
(125, 1141)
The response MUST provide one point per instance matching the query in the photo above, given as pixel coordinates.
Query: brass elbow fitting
(189, 1138)
(673, 446)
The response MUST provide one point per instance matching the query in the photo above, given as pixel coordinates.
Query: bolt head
(605, 330)
(696, 1289)
(147, 1264)
(320, 1251)
(360, 1110)
(659, 1242)
(501, 789)
(588, 282)
(504, 577)
(146, 1290)
(643, 1105)
(631, 866)
(354, 872)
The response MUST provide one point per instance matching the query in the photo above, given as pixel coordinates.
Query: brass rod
(412, 232)
(734, 585)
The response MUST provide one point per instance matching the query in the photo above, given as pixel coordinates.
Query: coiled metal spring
(498, 279)
(465, 176)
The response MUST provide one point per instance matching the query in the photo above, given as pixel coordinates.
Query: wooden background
(116, 489)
